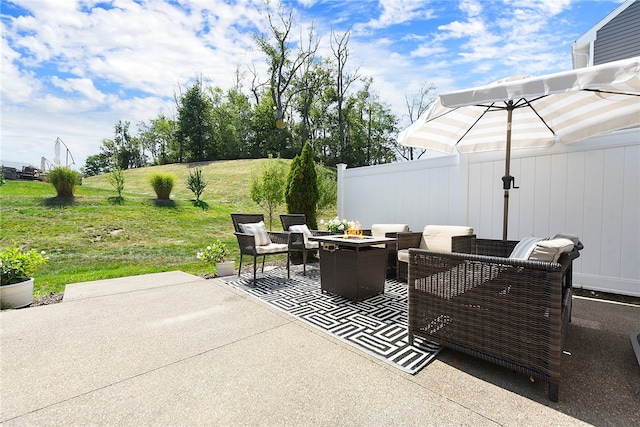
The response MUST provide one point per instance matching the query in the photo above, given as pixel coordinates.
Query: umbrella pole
(507, 179)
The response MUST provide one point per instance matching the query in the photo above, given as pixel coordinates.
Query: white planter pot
(224, 268)
(16, 295)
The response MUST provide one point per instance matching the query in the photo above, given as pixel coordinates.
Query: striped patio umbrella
(531, 112)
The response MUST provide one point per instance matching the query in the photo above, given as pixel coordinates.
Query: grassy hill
(98, 236)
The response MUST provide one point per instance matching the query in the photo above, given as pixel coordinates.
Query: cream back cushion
(438, 237)
(259, 232)
(550, 250)
(306, 233)
(523, 249)
(379, 230)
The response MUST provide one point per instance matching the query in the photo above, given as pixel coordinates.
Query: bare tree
(415, 107)
(340, 49)
(282, 66)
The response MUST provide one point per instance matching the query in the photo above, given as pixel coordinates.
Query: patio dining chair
(254, 240)
(296, 225)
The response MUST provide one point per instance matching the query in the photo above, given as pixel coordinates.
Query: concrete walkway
(176, 349)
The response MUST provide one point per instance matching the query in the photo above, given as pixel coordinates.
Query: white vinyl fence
(590, 188)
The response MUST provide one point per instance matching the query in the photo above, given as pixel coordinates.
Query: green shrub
(162, 184)
(302, 187)
(196, 183)
(64, 180)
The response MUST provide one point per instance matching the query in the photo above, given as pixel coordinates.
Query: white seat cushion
(259, 232)
(311, 245)
(271, 248)
(403, 255)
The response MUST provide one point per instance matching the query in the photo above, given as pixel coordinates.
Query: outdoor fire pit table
(353, 266)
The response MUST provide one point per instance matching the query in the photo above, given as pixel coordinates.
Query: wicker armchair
(298, 240)
(392, 231)
(511, 312)
(278, 243)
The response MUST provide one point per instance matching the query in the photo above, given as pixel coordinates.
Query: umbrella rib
(486, 110)
(527, 103)
(611, 92)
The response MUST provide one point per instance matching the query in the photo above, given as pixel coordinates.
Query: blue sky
(73, 68)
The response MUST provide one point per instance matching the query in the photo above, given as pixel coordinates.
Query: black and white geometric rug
(377, 326)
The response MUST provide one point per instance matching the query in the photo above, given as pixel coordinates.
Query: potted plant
(340, 226)
(216, 252)
(16, 281)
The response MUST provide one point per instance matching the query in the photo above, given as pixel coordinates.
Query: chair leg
(255, 267)
(554, 389)
(304, 262)
(263, 257)
(288, 262)
(240, 267)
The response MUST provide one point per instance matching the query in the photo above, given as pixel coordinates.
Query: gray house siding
(619, 38)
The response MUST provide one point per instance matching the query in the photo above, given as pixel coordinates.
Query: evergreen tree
(302, 187)
(195, 127)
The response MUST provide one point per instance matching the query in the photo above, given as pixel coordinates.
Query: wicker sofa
(511, 312)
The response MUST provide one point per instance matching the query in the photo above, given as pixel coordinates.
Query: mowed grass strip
(97, 236)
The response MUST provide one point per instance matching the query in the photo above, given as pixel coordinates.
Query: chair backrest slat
(245, 219)
(288, 220)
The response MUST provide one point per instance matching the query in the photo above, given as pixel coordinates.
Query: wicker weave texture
(356, 274)
(509, 312)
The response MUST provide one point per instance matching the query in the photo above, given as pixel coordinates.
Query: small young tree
(302, 187)
(64, 180)
(196, 183)
(267, 189)
(116, 179)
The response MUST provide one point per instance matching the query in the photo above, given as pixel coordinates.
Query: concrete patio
(176, 349)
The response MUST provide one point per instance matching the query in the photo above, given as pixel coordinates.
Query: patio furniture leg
(240, 267)
(288, 263)
(554, 388)
(304, 263)
(255, 267)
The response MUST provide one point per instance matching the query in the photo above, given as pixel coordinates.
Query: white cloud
(397, 12)
(73, 68)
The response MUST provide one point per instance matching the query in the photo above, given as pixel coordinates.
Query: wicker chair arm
(408, 239)
(247, 243)
(281, 237)
(296, 240)
(464, 244)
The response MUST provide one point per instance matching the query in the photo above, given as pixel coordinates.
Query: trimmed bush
(302, 187)
(162, 184)
(64, 180)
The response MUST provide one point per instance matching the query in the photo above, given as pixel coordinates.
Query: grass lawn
(97, 236)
